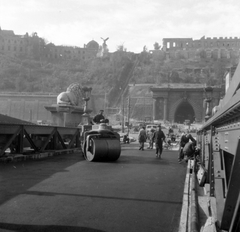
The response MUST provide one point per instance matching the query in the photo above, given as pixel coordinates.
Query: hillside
(109, 74)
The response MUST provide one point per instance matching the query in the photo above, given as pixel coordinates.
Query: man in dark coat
(159, 137)
(97, 119)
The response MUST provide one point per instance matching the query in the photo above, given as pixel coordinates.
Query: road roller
(101, 144)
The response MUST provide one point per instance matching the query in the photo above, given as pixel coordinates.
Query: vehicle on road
(150, 127)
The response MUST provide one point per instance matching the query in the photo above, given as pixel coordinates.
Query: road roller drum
(101, 145)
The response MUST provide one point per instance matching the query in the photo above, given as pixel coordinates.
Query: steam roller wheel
(103, 150)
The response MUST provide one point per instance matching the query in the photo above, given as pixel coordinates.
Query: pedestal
(66, 115)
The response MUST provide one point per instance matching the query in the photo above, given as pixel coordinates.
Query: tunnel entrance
(184, 112)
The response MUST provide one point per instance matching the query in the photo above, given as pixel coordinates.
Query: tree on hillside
(174, 77)
(145, 49)
(220, 67)
(121, 48)
(156, 46)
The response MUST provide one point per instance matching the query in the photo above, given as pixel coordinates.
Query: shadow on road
(45, 228)
(143, 160)
(164, 201)
(17, 177)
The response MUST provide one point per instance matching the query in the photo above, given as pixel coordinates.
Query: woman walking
(142, 137)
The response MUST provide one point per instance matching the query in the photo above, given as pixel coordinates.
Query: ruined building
(187, 48)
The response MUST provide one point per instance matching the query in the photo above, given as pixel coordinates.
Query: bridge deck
(67, 193)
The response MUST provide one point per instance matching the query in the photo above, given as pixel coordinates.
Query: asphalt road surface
(138, 193)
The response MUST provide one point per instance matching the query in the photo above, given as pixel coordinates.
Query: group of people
(156, 137)
(187, 145)
(188, 148)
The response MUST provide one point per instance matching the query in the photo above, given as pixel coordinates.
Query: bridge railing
(220, 148)
(32, 139)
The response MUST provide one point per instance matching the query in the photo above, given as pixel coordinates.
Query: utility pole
(122, 102)
(144, 109)
(128, 104)
(105, 103)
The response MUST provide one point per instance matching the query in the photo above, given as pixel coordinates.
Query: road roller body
(101, 144)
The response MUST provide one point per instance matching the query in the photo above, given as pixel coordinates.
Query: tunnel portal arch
(184, 111)
(178, 102)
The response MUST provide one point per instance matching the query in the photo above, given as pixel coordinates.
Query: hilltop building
(17, 45)
(172, 48)
(35, 47)
(187, 48)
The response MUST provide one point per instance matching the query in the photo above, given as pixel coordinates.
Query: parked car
(150, 127)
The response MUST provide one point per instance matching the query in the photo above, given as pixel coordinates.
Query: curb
(194, 217)
(189, 220)
(183, 225)
(23, 157)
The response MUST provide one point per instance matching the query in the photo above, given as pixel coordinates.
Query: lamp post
(86, 98)
(106, 96)
(128, 115)
(208, 94)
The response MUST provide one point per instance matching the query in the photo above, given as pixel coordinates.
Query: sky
(131, 23)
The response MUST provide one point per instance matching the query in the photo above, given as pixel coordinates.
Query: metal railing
(220, 143)
(32, 139)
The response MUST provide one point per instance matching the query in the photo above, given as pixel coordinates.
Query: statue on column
(104, 46)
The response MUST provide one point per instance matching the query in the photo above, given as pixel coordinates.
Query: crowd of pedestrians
(187, 144)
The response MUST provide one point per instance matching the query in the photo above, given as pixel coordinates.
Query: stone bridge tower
(180, 102)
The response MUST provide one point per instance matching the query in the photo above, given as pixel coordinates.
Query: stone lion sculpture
(73, 96)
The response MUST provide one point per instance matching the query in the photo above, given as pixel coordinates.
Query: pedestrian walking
(185, 138)
(142, 138)
(159, 137)
(150, 138)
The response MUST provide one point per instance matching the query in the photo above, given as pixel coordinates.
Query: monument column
(165, 109)
(154, 108)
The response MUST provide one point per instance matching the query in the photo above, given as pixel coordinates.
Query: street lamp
(86, 98)
(208, 94)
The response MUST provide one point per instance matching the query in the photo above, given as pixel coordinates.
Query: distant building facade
(17, 45)
(189, 43)
(187, 48)
(35, 47)
(172, 48)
